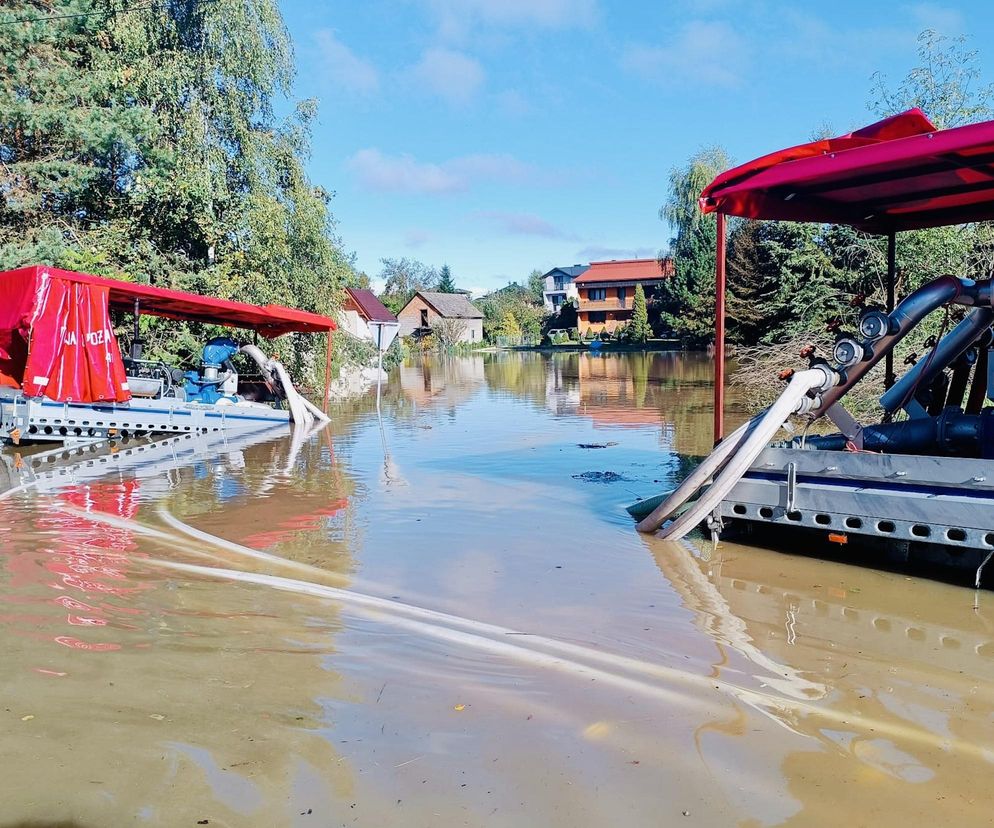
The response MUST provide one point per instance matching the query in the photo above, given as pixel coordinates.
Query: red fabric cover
(56, 339)
(74, 355)
(17, 302)
(898, 174)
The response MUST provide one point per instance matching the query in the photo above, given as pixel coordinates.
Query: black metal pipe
(903, 319)
(951, 433)
(960, 379)
(979, 388)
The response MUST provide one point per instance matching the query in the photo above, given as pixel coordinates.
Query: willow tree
(688, 295)
(144, 144)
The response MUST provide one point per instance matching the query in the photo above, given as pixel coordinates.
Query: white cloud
(596, 253)
(345, 67)
(451, 75)
(711, 53)
(522, 224)
(456, 17)
(405, 174)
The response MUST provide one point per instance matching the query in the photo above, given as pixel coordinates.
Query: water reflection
(508, 650)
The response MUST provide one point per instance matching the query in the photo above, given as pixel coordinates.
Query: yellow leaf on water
(596, 731)
(459, 707)
(27, 718)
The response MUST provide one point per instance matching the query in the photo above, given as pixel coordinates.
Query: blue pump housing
(197, 386)
(218, 350)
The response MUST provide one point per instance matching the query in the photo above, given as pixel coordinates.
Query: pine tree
(445, 282)
(639, 330)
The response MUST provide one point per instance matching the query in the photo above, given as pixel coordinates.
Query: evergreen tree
(639, 330)
(445, 282)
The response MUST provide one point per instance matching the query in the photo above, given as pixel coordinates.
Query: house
(607, 290)
(559, 286)
(427, 309)
(360, 308)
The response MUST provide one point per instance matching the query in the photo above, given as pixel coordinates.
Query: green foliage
(946, 86)
(146, 146)
(445, 282)
(514, 301)
(639, 330)
(402, 278)
(688, 296)
(536, 284)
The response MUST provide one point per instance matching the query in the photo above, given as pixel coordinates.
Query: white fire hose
(734, 456)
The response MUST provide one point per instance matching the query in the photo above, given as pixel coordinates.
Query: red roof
(369, 307)
(269, 320)
(898, 174)
(626, 270)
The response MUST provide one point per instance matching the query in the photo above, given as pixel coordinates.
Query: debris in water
(600, 477)
(459, 707)
(596, 445)
(27, 718)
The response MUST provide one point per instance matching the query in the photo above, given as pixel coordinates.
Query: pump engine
(211, 385)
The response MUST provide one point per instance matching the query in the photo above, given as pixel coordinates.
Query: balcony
(612, 303)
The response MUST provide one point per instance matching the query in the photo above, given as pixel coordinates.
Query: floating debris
(600, 477)
(596, 445)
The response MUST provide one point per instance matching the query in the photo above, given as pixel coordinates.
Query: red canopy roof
(269, 320)
(898, 174)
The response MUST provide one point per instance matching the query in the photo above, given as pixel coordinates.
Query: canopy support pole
(327, 373)
(891, 273)
(719, 330)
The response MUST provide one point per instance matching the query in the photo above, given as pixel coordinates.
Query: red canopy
(898, 174)
(56, 338)
(269, 320)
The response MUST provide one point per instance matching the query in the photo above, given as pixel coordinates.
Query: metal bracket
(791, 486)
(846, 423)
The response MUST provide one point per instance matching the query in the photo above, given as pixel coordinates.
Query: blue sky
(503, 135)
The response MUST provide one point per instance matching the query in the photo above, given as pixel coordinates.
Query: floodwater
(446, 621)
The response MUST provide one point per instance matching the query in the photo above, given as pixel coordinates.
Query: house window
(424, 317)
(622, 292)
(472, 335)
(598, 316)
(596, 294)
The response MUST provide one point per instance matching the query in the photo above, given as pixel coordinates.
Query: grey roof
(451, 305)
(572, 272)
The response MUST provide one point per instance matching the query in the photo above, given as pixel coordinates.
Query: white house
(362, 307)
(559, 287)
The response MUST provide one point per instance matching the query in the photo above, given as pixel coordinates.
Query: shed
(427, 309)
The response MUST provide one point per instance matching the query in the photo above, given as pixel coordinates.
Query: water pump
(211, 385)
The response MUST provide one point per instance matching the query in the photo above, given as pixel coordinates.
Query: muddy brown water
(459, 626)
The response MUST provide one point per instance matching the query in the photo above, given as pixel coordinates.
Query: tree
(145, 146)
(445, 282)
(639, 330)
(509, 327)
(402, 278)
(536, 284)
(688, 295)
(945, 86)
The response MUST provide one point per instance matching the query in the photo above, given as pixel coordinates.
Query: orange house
(607, 291)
